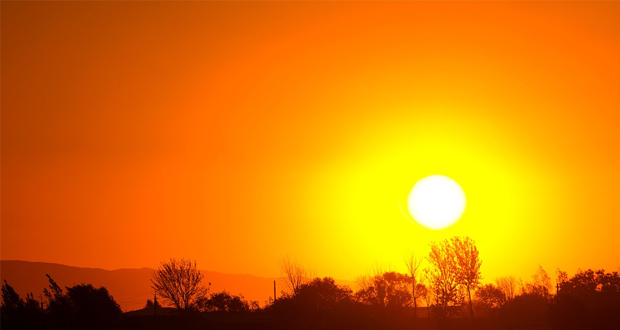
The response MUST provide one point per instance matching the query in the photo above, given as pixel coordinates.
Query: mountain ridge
(130, 287)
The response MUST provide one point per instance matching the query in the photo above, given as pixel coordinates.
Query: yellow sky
(238, 133)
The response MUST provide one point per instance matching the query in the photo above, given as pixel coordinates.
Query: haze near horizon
(235, 133)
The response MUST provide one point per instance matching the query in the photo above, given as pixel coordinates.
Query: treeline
(81, 306)
(443, 293)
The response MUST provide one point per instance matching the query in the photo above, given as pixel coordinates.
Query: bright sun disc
(436, 202)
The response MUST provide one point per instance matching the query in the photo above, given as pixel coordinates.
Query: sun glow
(436, 202)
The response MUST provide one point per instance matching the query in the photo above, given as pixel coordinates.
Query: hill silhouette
(129, 287)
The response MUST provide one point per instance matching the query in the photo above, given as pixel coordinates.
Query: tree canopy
(180, 283)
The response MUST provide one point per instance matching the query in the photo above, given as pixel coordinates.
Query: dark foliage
(18, 313)
(150, 305)
(589, 300)
(80, 307)
(526, 309)
(224, 302)
(320, 304)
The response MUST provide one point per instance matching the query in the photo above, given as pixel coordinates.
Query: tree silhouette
(224, 302)
(294, 274)
(318, 304)
(11, 302)
(443, 275)
(389, 290)
(455, 267)
(17, 313)
(540, 285)
(81, 307)
(468, 266)
(508, 286)
(588, 298)
(59, 307)
(180, 283)
(413, 264)
(93, 307)
(490, 296)
(323, 293)
(151, 305)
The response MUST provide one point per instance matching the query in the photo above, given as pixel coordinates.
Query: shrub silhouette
(18, 313)
(81, 307)
(224, 302)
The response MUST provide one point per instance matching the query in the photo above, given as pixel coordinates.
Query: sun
(436, 202)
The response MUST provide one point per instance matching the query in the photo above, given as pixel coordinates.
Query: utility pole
(155, 305)
(274, 290)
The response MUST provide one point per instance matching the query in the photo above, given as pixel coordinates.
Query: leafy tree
(444, 276)
(81, 307)
(490, 296)
(318, 304)
(17, 313)
(590, 297)
(590, 281)
(390, 289)
(225, 302)
(468, 266)
(11, 302)
(180, 283)
(562, 276)
(322, 293)
(59, 307)
(455, 269)
(93, 307)
(422, 291)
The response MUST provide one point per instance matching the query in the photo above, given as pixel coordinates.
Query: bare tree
(294, 274)
(413, 264)
(468, 266)
(179, 282)
(428, 294)
(508, 285)
(540, 285)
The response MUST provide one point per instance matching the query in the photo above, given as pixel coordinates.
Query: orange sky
(235, 133)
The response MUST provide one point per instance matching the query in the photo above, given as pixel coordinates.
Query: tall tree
(468, 266)
(508, 285)
(455, 267)
(294, 274)
(390, 289)
(540, 285)
(180, 283)
(11, 302)
(413, 264)
(443, 275)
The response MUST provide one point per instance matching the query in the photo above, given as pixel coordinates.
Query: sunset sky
(236, 133)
